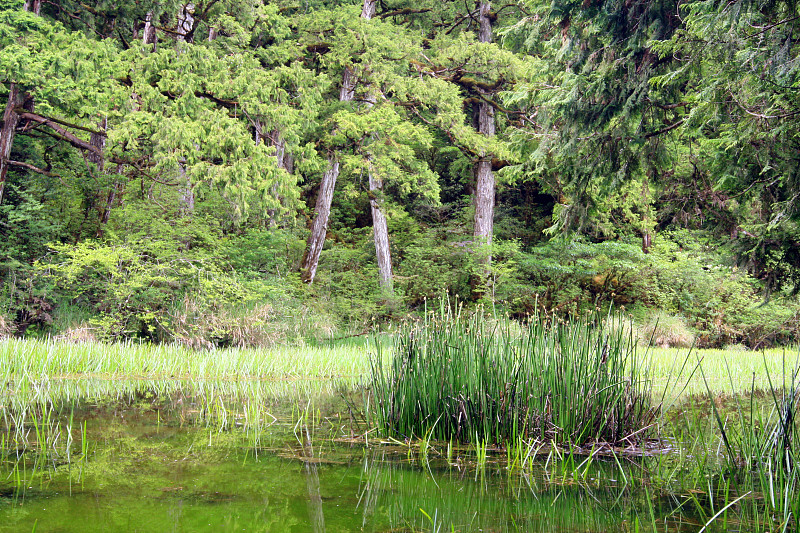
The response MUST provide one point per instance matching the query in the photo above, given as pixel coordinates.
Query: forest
(246, 172)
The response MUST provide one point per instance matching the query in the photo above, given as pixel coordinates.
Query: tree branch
(769, 27)
(406, 11)
(30, 167)
(22, 111)
(663, 130)
(224, 103)
(62, 133)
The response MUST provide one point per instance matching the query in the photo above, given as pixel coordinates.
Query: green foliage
(261, 252)
(134, 287)
(616, 124)
(572, 275)
(454, 378)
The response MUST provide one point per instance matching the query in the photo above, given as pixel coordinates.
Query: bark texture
(98, 140)
(33, 6)
(381, 234)
(149, 32)
(185, 30)
(368, 11)
(484, 178)
(319, 227)
(10, 121)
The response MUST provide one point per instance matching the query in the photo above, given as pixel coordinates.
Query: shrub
(666, 331)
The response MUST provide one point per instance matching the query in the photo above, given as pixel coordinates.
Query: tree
(11, 118)
(591, 120)
(738, 71)
(372, 135)
(484, 178)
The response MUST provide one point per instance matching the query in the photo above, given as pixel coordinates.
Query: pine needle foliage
(466, 379)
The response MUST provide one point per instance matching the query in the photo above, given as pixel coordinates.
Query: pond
(105, 455)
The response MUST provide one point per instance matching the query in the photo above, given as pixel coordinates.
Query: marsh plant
(761, 447)
(454, 377)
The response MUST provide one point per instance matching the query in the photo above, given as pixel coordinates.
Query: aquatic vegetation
(567, 383)
(724, 371)
(762, 446)
(479, 424)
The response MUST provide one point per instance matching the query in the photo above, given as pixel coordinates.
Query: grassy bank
(671, 368)
(38, 358)
(723, 371)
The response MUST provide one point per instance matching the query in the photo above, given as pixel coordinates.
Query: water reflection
(315, 514)
(259, 456)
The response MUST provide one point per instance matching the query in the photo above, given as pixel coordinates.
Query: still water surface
(157, 459)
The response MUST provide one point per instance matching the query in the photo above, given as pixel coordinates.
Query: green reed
(461, 378)
(31, 359)
(761, 447)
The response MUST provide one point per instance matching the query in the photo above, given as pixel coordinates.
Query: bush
(666, 331)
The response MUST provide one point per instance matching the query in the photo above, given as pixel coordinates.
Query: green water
(153, 457)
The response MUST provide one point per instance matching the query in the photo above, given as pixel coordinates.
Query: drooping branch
(663, 130)
(22, 111)
(228, 104)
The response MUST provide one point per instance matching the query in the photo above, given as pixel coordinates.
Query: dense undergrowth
(203, 285)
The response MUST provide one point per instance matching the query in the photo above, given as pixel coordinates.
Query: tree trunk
(98, 140)
(10, 115)
(308, 266)
(149, 33)
(10, 121)
(33, 6)
(381, 234)
(484, 178)
(379, 228)
(185, 30)
(368, 11)
(319, 227)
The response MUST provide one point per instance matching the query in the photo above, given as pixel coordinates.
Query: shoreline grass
(37, 358)
(724, 371)
(58, 359)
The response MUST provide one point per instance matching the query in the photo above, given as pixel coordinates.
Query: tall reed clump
(456, 378)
